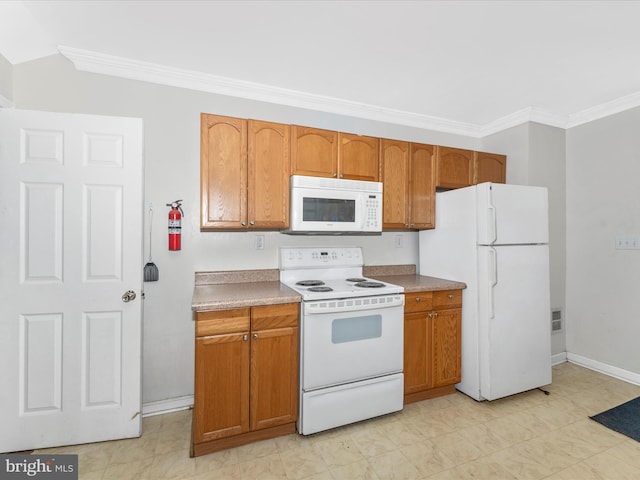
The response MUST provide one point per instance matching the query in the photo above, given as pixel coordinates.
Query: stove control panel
(319, 257)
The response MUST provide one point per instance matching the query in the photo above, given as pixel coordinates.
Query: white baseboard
(167, 406)
(186, 402)
(558, 358)
(610, 370)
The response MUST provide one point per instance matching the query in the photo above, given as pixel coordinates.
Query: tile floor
(526, 436)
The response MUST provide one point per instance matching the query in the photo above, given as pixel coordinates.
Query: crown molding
(604, 110)
(96, 62)
(529, 114)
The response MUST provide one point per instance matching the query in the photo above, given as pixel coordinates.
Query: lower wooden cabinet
(246, 376)
(432, 344)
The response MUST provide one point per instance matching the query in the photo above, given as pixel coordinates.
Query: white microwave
(330, 205)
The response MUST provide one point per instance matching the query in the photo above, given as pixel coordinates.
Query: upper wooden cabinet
(314, 152)
(244, 173)
(245, 167)
(422, 192)
(489, 167)
(325, 153)
(406, 171)
(358, 157)
(454, 167)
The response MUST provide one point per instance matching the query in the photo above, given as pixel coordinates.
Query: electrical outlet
(627, 243)
(398, 241)
(259, 242)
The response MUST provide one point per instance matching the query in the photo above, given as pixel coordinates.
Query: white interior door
(70, 247)
(514, 316)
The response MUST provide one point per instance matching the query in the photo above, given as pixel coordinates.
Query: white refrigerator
(494, 237)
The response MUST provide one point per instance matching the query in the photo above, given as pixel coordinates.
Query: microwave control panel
(373, 213)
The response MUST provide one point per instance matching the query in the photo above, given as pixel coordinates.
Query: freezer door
(512, 214)
(514, 319)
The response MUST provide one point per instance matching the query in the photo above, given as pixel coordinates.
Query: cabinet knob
(335, 174)
(418, 299)
(245, 337)
(450, 296)
(430, 315)
(255, 336)
(252, 222)
(436, 314)
(341, 175)
(244, 224)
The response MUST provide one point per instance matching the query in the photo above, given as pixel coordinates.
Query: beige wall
(6, 79)
(172, 153)
(603, 284)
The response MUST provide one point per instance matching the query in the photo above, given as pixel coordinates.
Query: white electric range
(351, 337)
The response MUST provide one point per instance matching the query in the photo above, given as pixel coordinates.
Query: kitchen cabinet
(489, 167)
(454, 167)
(406, 171)
(244, 174)
(314, 152)
(325, 153)
(432, 348)
(246, 376)
(358, 157)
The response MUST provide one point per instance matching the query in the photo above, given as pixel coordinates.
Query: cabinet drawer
(223, 321)
(417, 301)
(275, 316)
(447, 298)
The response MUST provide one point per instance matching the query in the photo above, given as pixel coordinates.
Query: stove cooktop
(341, 288)
(320, 273)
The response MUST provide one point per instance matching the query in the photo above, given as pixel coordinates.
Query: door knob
(128, 296)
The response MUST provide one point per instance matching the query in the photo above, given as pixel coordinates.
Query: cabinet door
(489, 167)
(268, 175)
(394, 175)
(358, 157)
(417, 341)
(422, 192)
(221, 397)
(223, 172)
(446, 346)
(274, 365)
(453, 167)
(314, 152)
(274, 377)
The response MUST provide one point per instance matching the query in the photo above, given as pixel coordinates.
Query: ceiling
(469, 67)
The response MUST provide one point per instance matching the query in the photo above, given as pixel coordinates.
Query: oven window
(328, 210)
(352, 329)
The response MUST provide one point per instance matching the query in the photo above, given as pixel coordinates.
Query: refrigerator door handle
(493, 267)
(492, 225)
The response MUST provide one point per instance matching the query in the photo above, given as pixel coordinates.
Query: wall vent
(556, 320)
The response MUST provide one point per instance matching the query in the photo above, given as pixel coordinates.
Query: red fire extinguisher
(175, 225)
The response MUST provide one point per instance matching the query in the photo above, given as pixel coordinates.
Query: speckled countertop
(237, 289)
(405, 275)
(248, 288)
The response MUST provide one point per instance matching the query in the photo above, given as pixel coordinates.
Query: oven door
(348, 340)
